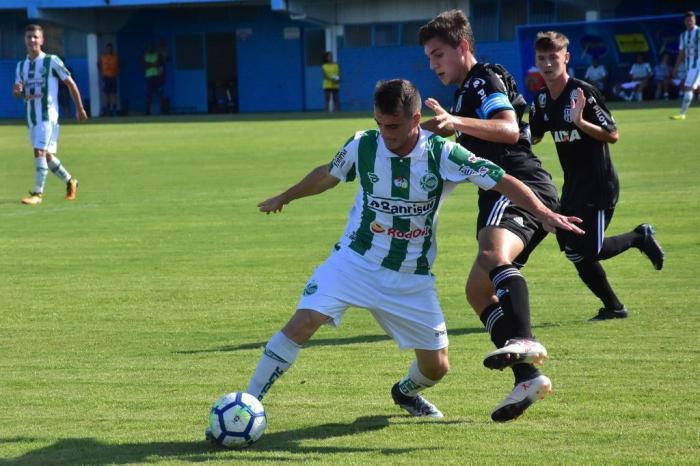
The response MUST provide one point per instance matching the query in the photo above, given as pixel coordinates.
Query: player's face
(689, 22)
(552, 64)
(34, 40)
(447, 62)
(398, 130)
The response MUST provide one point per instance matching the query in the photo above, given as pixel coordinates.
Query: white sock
(278, 356)
(42, 169)
(415, 382)
(58, 170)
(687, 98)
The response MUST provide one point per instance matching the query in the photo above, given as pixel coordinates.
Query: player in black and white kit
(582, 126)
(487, 118)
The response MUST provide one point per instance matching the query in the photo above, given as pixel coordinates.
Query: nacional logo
(542, 100)
(378, 229)
(310, 288)
(566, 136)
(400, 207)
(401, 182)
(428, 182)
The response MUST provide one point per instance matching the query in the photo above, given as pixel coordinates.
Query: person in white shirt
(688, 51)
(596, 74)
(640, 75)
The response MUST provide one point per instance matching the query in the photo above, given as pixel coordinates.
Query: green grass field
(126, 313)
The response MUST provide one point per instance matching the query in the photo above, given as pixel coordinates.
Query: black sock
(614, 245)
(593, 275)
(497, 324)
(524, 372)
(511, 289)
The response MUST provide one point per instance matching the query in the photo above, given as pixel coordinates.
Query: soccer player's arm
(590, 115)
(460, 165)
(64, 75)
(497, 121)
(320, 179)
(537, 124)
(18, 86)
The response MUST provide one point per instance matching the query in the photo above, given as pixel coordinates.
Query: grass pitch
(126, 313)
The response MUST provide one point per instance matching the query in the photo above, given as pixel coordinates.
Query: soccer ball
(236, 420)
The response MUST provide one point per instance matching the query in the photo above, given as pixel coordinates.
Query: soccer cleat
(71, 189)
(677, 117)
(650, 247)
(516, 351)
(522, 396)
(33, 198)
(415, 406)
(607, 314)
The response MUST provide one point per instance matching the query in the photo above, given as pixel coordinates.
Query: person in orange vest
(109, 68)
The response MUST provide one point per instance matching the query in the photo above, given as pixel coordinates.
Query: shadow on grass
(89, 451)
(322, 342)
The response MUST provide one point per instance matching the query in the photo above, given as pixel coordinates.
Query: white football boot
(522, 396)
(516, 351)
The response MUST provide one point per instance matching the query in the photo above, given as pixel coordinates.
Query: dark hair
(551, 41)
(451, 27)
(33, 27)
(394, 95)
(689, 14)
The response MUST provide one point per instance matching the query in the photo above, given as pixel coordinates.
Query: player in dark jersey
(487, 118)
(582, 126)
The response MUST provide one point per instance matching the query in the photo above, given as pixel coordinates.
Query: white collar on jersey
(418, 151)
(38, 57)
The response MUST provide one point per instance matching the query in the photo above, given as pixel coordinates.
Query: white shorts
(44, 136)
(692, 78)
(405, 305)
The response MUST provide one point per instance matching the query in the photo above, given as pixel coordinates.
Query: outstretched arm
(502, 127)
(316, 182)
(594, 131)
(521, 195)
(80, 113)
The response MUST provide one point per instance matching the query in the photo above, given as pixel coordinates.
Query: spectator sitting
(662, 77)
(640, 74)
(596, 74)
(534, 80)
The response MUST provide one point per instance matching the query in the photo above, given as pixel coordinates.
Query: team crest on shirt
(428, 182)
(574, 96)
(401, 182)
(372, 177)
(542, 100)
(567, 114)
(310, 288)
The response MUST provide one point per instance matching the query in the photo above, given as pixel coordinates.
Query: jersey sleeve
(18, 72)
(538, 126)
(596, 112)
(59, 68)
(344, 164)
(681, 45)
(458, 165)
(488, 94)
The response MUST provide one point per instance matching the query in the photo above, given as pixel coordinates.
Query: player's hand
(443, 118)
(554, 220)
(18, 89)
(577, 106)
(273, 204)
(80, 115)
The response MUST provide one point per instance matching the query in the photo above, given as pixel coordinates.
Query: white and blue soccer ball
(236, 420)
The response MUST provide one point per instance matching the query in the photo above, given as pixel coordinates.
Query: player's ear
(464, 46)
(567, 57)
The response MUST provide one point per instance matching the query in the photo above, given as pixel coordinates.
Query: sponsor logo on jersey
(401, 182)
(567, 114)
(310, 288)
(477, 83)
(483, 171)
(339, 158)
(398, 234)
(542, 100)
(566, 136)
(400, 207)
(573, 96)
(372, 177)
(428, 182)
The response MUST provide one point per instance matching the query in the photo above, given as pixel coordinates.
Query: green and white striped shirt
(690, 43)
(393, 221)
(40, 79)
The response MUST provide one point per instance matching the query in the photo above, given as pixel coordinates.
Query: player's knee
(489, 259)
(573, 256)
(437, 370)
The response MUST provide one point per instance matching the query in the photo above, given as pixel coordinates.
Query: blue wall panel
(9, 106)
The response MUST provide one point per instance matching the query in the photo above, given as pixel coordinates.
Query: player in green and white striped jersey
(689, 55)
(36, 80)
(383, 260)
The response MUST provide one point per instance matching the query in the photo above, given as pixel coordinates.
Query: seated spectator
(640, 75)
(534, 80)
(662, 77)
(596, 74)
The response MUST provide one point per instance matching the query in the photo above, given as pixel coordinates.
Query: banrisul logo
(428, 182)
(400, 207)
(310, 288)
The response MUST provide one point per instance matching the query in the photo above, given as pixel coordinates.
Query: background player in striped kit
(383, 260)
(36, 80)
(582, 126)
(689, 54)
(487, 118)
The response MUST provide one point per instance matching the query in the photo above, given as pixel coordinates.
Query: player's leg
(327, 96)
(692, 79)
(429, 367)
(40, 138)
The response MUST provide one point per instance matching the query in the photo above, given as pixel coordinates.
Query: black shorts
(109, 85)
(497, 210)
(595, 222)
